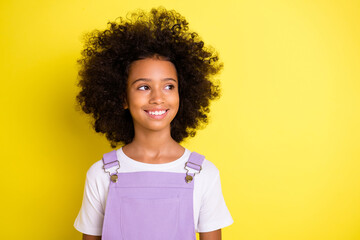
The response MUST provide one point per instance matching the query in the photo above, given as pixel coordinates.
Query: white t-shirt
(210, 210)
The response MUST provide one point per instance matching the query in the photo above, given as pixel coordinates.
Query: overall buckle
(188, 177)
(113, 174)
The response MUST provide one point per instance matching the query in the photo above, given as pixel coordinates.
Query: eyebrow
(149, 80)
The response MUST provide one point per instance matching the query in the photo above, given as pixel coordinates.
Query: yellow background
(285, 135)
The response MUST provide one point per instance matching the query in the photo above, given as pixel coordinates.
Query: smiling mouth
(157, 114)
(160, 112)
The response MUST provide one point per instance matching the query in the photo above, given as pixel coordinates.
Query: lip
(156, 109)
(157, 116)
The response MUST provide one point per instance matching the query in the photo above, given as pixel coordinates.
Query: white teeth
(157, 112)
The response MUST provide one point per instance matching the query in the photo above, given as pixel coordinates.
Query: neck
(152, 141)
(153, 146)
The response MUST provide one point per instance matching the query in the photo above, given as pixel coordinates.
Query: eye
(144, 87)
(170, 86)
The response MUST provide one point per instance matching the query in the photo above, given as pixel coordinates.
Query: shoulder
(95, 169)
(209, 168)
(96, 174)
(208, 175)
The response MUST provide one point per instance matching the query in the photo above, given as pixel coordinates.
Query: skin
(153, 84)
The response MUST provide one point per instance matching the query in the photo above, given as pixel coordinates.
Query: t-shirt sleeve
(91, 215)
(214, 213)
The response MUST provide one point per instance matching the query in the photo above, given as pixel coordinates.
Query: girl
(146, 82)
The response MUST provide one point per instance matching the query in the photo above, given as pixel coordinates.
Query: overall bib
(150, 205)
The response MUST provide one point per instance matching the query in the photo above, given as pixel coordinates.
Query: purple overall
(150, 205)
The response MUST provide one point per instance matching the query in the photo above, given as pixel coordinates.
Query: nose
(157, 96)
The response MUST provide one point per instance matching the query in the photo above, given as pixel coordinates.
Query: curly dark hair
(105, 62)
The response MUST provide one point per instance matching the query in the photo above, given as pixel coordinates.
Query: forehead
(152, 68)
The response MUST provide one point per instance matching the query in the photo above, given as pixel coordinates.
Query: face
(152, 94)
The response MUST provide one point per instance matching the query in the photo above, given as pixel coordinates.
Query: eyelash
(172, 86)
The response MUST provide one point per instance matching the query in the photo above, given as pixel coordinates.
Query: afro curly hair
(105, 62)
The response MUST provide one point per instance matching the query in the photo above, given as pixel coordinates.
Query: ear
(126, 106)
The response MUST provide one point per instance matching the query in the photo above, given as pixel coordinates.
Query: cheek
(176, 95)
(175, 99)
(177, 103)
(136, 99)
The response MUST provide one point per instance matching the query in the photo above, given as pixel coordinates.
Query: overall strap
(195, 162)
(110, 160)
